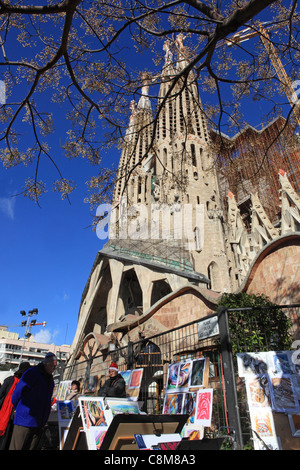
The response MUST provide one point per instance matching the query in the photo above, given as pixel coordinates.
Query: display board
(187, 393)
(273, 393)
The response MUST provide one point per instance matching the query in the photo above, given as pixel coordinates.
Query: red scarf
(6, 409)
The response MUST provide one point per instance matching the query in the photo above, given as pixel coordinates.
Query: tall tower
(167, 197)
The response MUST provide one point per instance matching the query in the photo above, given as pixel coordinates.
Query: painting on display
(197, 372)
(126, 376)
(258, 391)
(184, 372)
(204, 403)
(63, 389)
(122, 406)
(173, 403)
(93, 412)
(283, 396)
(153, 442)
(172, 377)
(95, 436)
(136, 378)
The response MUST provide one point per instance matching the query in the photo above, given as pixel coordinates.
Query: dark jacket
(32, 398)
(113, 387)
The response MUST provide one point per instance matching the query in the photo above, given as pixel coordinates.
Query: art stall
(99, 423)
(272, 381)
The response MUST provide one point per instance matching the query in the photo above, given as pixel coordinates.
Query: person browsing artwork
(115, 385)
(32, 399)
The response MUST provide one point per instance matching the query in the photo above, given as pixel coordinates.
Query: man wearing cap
(32, 401)
(115, 385)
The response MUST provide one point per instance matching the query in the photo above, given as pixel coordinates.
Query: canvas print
(281, 363)
(95, 437)
(258, 391)
(173, 403)
(283, 396)
(122, 406)
(90, 384)
(65, 410)
(197, 373)
(263, 423)
(136, 378)
(184, 372)
(189, 406)
(172, 376)
(92, 412)
(126, 376)
(253, 363)
(204, 406)
(63, 389)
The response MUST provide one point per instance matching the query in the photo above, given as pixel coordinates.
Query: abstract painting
(204, 404)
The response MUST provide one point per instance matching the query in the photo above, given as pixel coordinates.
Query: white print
(295, 95)
(178, 222)
(2, 92)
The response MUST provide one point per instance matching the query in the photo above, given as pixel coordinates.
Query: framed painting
(122, 406)
(173, 403)
(204, 402)
(197, 372)
(93, 412)
(136, 378)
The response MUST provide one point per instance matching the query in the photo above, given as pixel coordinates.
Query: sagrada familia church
(179, 236)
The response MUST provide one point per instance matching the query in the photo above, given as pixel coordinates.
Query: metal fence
(239, 330)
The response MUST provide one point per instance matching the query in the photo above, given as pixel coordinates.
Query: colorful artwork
(136, 378)
(173, 403)
(153, 442)
(189, 406)
(63, 389)
(122, 406)
(92, 412)
(90, 384)
(95, 437)
(172, 376)
(184, 372)
(197, 374)
(126, 376)
(65, 410)
(204, 404)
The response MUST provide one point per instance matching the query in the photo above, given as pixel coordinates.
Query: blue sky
(47, 252)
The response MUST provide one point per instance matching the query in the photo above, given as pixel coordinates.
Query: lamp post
(28, 324)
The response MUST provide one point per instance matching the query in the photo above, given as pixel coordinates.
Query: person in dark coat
(115, 385)
(6, 406)
(32, 400)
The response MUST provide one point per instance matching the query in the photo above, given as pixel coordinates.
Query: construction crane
(249, 33)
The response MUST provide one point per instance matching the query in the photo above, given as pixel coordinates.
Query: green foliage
(264, 327)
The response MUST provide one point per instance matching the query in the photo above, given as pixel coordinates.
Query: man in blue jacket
(32, 399)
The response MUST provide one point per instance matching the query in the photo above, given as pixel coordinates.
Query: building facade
(171, 243)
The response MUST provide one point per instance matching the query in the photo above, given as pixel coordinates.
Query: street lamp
(28, 326)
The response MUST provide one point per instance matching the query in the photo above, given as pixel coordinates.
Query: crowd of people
(27, 396)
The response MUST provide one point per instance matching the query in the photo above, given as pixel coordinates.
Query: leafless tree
(78, 54)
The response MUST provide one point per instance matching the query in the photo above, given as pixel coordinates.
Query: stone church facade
(172, 250)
